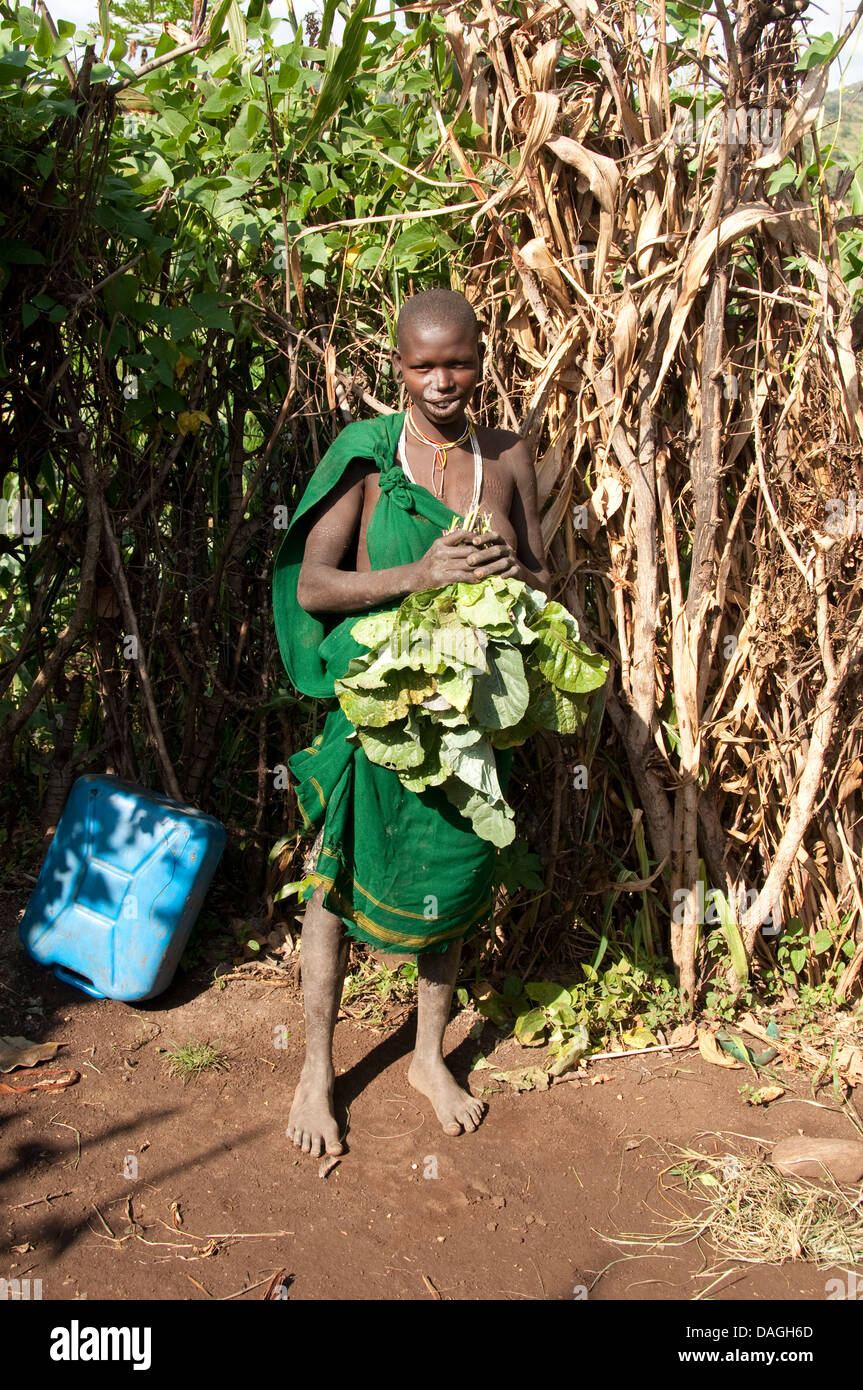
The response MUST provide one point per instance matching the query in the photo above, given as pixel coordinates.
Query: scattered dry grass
(747, 1212)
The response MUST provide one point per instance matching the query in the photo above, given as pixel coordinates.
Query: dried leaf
(30, 1080)
(330, 373)
(765, 1094)
(851, 779)
(20, 1052)
(711, 1051)
(849, 1061)
(295, 264)
(605, 500)
(600, 172)
(190, 421)
(537, 115)
(683, 1035)
(639, 1038)
(736, 224)
(535, 253)
(570, 1059)
(801, 117)
(524, 1078)
(544, 63)
(648, 230)
(463, 51)
(624, 341)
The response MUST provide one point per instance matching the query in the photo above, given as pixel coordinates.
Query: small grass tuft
(192, 1058)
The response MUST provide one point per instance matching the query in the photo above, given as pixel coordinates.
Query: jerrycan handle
(71, 977)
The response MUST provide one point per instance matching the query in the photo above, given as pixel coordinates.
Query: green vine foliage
(201, 263)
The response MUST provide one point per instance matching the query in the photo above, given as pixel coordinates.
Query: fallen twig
(52, 1197)
(627, 1052)
(77, 1134)
(276, 1282)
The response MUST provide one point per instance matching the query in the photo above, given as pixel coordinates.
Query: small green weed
(190, 1060)
(372, 989)
(619, 1006)
(806, 968)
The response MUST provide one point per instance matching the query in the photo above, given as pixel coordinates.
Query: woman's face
(440, 368)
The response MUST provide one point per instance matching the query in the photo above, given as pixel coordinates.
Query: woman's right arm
(323, 587)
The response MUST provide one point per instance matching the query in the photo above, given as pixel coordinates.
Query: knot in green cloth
(393, 482)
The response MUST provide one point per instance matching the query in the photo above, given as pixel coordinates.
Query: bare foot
(312, 1122)
(456, 1109)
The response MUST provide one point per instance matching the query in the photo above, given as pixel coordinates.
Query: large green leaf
(487, 605)
(246, 127)
(44, 41)
(472, 760)
(180, 320)
(218, 21)
(456, 687)
(374, 630)
(731, 931)
(327, 17)
(491, 821)
(500, 698)
(236, 28)
(431, 772)
(540, 713)
(337, 83)
(148, 172)
(547, 995)
(386, 703)
(396, 746)
(563, 659)
(530, 1028)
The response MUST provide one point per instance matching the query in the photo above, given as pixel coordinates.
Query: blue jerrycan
(121, 886)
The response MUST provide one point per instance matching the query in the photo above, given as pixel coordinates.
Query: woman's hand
(463, 557)
(493, 555)
(447, 561)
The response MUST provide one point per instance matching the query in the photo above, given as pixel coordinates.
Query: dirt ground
(97, 1177)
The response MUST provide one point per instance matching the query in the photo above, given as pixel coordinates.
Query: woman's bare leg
(324, 958)
(456, 1109)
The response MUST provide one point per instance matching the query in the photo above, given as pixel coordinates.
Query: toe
(331, 1139)
(452, 1127)
(315, 1150)
(307, 1143)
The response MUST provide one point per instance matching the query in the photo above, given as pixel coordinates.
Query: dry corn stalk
(678, 341)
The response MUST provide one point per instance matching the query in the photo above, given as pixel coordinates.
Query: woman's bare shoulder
(505, 445)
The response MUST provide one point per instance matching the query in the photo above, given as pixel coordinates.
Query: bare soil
(130, 1185)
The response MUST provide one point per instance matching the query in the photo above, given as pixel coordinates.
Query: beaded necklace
(440, 450)
(477, 466)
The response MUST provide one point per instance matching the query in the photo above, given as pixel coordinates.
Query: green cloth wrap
(403, 870)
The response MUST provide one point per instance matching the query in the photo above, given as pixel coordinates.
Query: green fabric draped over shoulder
(404, 870)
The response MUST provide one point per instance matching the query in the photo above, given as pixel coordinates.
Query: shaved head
(434, 310)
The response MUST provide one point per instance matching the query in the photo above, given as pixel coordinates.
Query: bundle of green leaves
(455, 673)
